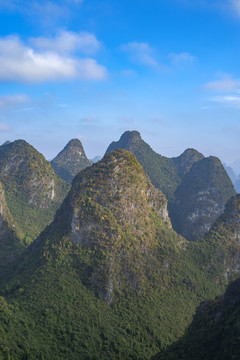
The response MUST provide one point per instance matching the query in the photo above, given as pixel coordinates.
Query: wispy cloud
(22, 63)
(228, 100)
(9, 101)
(226, 83)
(182, 58)
(42, 11)
(144, 54)
(229, 86)
(67, 42)
(141, 53)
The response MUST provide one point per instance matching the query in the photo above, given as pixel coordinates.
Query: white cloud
(19, 62)
(13, 100)
(182, 58)
(228, 100)
(141, 52)
(227, 83)
(67, 42)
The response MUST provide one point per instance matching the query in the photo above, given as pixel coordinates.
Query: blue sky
(93, 69)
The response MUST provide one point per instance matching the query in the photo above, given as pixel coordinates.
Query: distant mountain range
(235, 179)
(107, 276)
(197, 188)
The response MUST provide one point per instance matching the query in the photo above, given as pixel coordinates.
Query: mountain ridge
(30, 194)
(111, 252)
(170, 174)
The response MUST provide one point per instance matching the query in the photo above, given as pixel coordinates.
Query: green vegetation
(30, 194)
(109, 278)
(197, 189)
(201, 198)
(70, 160)
(214, 333)
(164, 173)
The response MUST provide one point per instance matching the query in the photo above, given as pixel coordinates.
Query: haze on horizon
(91, 70)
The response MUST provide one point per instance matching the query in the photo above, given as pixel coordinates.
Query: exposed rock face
(32, 190)
(115, 191)
(201, 198)
(70, 160)
(114, 210)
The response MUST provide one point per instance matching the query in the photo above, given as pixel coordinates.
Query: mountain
(190, 182)
(96, 159)
(235, 179)
(30, 194)
(70, 160)
(201, 197)
(165, 173)
(214, 333)
(230, 173)
(109, 278)
(6, 142)
(237, 185)
(215, 330)
(9, 242)
(236, 166)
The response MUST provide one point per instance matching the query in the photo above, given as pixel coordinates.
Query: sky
(92, 69)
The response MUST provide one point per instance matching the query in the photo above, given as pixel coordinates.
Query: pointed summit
(129, 140)
(165, 173)
(161, 170)
(114, 211)
(31, 191)
(185, 161)
(70, 160)
(183, 179)
(109, 269)
(201, 198)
